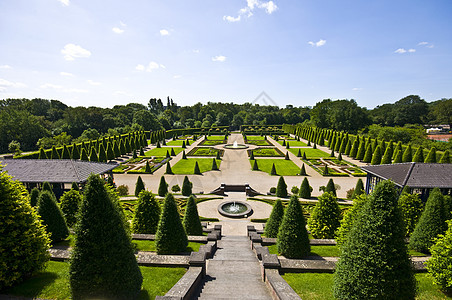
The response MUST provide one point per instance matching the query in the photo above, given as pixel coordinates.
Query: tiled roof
(53, 170)
(415, 175)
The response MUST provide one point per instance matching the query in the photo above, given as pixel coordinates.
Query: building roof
(414, 175)
(53, 170)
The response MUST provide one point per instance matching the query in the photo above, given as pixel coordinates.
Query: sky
(106, 53)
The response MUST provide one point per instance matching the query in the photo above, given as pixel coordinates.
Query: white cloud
(164, 32)
(195, 50)
(66, 74)
(117, 30)
(320, 43)
(426, 44)
(231, 19)
(5, 83)
(93, 82)
(357, 89)
(72, 52)
(219, 58)
(422, 43)
(51, 86)
(177, 76)
(123, 24)
(150, 67)
(5, 67)
(400, 51)
(411, 50)
(64, 2)
(251, 5)
(430, 46)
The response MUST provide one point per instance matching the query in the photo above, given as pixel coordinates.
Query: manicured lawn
(255, 137)
(53, 282)
(310, 153)
(177, 143)
(319, 286)
(215, 137)
(203, 151)
(283, 167)
(326, 251)
(259, 142)
(187, 166)
(293, 143)
(146, 245)
(162, 151)
(266, 152)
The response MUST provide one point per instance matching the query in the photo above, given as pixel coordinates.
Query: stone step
(215, 296)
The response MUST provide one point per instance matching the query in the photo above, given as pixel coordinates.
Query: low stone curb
(151, 237)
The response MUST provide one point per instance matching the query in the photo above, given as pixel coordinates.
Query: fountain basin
(235, 209)
(235, 145)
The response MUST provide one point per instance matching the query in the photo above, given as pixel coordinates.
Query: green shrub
(359, 189)
(293, 239)
(349, 218)
(93, 155)
(273, 190)
(303, 171)
(214, 164)
(439, 265)
(419, 155)
(84, 155)
(170, 237)
(148, 168)
(75, 187)
(431, 223)
(47, 187)
(299, 153)
(255, 166)
(407, 154)
(368, 155)
(42, 154)
(325, 217)
(139, 186)
(52, 217)
(431, 157)
(361, 151)
(122, 190)
(168, 168)
(184, 156)
(376, 157)
(398, 157)
(281, 188)
(196, 169)
(54, 154)
(305, 189)
(331, 187)
(187, 187)
(273, 170)
(286, 157)
(445, 159)
(34, 194)
(23, 238)
(387, 157)
(103, 264)
(147, 214)
(294, 190)
(175, 188)
(191, 221)
(69, 204)
(411, 207)
(163, 187)
(274, 221)
(374, 262)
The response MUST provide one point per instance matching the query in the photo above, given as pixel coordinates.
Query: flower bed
(345, 168)
(205, 151)
(266, 152)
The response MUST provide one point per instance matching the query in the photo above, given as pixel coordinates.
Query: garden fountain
(235, 209)
(235, 145)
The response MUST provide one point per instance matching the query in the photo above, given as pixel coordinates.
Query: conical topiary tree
(69, 204)
(46, 186)
(102, 154)
(170, 237)
(251, 155)
(110, 153)
(293, 239)
(305, 189)
(331, 188)
(325, 217)
(387, 157)
(281, 188)
(75, 153)
(148, 168)
(398, 157)
(147, 214)
(196, 169)
(374, 263)
(163, 187)
(349, 218)
(303, 171)
(332, 153)
(359, 189)
(168, 168)
(445, 159)
(65, 154)
(184, 156)
(93, 155)
(299, 153)
(167, 154)
(187, 187)
(191, 221)
(139, 186)
(84, 155)
(286, 157)
(214, 164)
(23, 239)
(273, 170)
(368, 155)
(431, 223)
(109, 270)
(431, 157)
(376, 157)
(183, 144)
(42, 154)
(325, 170)
(304, 156)
(172, 152)
(274, 221)
(52, 217)
(419, 155)
(54, 154)
(339, 157)
(255, 166)
(361, 151)
(407, 154)
(439, 264)
(34, 195)
(411, 207)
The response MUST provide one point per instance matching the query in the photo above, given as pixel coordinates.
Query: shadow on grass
(33, 286)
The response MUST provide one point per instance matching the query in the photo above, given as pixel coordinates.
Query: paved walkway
(234, 272)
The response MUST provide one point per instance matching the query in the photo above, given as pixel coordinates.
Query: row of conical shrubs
(367, 149)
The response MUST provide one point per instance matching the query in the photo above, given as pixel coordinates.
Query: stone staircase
(234, 272)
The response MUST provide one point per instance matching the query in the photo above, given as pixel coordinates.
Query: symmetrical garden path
(234, 272)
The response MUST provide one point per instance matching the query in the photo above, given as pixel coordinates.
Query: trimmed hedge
(274, 221)
(191, 221)
(52, 217)
(147, 214)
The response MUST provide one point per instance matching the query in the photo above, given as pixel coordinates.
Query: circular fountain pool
(235, 209)
(235, 145)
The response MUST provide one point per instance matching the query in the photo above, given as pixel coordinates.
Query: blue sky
(103, 53)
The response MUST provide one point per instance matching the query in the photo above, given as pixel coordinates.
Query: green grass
(310, 153)
(259, 143)
(211, 142)
(176, 143)
(324, 251)
(255, 138)
(162, 151)
(203, 151)
(283, 167)
(294, 143)
(147, 245)
(215, 138)
(187, 166)
(53, 282)
(266, 152)
(319, 286)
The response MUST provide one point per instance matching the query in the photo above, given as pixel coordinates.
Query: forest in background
(44, 123)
